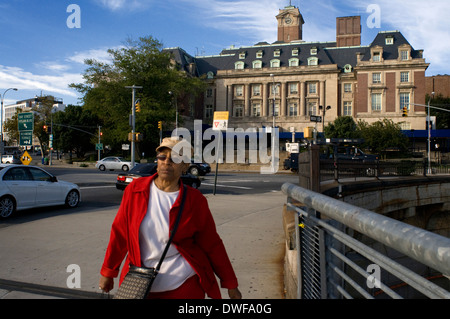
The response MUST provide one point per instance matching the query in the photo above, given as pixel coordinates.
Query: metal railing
(346, 251)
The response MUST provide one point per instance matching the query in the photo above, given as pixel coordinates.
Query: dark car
(149, 169)
(199, 169)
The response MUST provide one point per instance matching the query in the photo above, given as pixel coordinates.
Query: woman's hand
(234, 294)
(106, 284)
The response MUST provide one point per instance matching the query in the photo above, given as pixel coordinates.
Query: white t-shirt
(153, 237)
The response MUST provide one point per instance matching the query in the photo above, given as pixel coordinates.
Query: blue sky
(39, 52)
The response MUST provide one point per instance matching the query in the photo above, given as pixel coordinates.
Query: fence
(346, 251)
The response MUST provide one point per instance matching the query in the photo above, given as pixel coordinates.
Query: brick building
(292, 79)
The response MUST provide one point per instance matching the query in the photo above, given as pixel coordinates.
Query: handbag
(138, 281)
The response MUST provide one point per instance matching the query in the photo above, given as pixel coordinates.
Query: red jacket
(196, 238)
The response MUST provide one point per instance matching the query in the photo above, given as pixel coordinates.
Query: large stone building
(291, 79)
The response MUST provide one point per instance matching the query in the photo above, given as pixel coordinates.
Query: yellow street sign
(26, 158)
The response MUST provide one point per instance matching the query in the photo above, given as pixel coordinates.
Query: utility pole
(133, 122)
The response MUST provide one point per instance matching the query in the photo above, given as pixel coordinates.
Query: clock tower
(290, 24)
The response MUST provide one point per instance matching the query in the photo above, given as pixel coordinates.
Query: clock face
(288, 20)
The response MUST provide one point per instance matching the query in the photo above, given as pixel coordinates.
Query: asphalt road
(98, 189)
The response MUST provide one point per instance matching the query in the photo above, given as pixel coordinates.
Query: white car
(24, 187)
(113, 163)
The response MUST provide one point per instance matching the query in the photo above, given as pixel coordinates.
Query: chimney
(348, 31)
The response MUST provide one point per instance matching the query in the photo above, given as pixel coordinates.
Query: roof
(327, 53)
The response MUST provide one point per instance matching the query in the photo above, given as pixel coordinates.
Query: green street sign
(26, 122)
(99, 147)
(26, 138)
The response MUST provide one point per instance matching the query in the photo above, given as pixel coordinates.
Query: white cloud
(424, 24)
(115, 5)
(23, 80)
(249, 20)
(100, 55)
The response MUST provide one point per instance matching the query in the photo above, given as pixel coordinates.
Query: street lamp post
(133, 123)
(1, 120)
(273, 122)
(429, 134)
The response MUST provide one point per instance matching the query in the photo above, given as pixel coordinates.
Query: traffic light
(138, 106)
(45, 128)
(405, 111)
(160, 125)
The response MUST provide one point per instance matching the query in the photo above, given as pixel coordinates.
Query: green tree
(75, 129)
(142, 63)
(442, 117)
(342, 127)
(383, 135)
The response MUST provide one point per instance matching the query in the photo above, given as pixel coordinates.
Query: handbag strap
(177, 222)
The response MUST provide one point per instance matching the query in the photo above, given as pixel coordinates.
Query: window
(404, 55)
(376, 102)
(293, 88)
(313, 61)
(256, 109)
(276, 110)
(256, 89)
(257, 64)
(389, 40)
(210, 75)
(259, 54)
(275, 89)
(239, 109)
(277, 53)
(347, 87)
(239, 65)
(376, 57)
(347, 108)
(404, 77)
(242, 55)
(275, 63)
(295, 52)
(376, 78)
(312, 107)
(293, 62)
(209, 93)
(208, 111)
(348, 68)
(404, 101)
(314, 51)
(312, 88)
(293, 109)
(239, 90)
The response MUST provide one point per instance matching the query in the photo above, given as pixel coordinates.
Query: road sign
(26, 158)
(99, 147)
(315, 118)
(220, 121)
(26, 121)
(26, 138)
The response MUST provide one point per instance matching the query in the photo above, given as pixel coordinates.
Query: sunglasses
(163, 158)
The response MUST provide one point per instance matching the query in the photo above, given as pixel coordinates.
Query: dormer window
(313, 61)
(376, 57)
(404, 55)
(348, 68)
(239, 65)
(257, 64)
(404, 52)
(242, 55)
(314, 51)
(277, 53)
(259, 54)
(275, 63)
(389, 40)
(295, 52)
(294, 62)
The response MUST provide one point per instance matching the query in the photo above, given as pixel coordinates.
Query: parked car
(10, 159)
(199, 169)
(24, 187)
(113, 163)
(149, 169)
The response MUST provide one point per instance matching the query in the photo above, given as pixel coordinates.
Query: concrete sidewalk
(35, 256)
